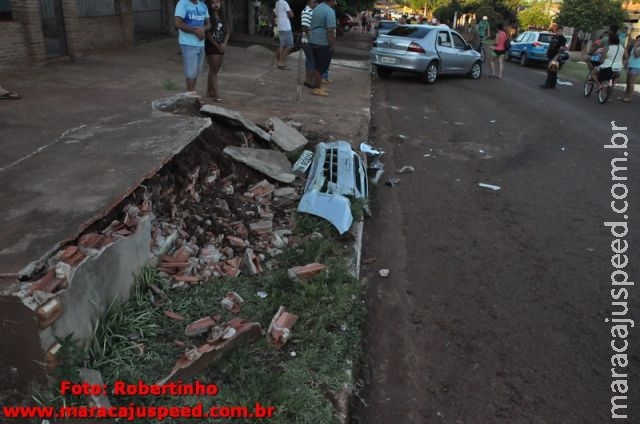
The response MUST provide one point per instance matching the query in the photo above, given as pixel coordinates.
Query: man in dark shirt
(556, 46)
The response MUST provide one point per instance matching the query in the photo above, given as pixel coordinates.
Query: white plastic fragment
(384, 273)
(489, 186)
(262, 294)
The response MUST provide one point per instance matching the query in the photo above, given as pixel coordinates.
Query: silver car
(427, 50)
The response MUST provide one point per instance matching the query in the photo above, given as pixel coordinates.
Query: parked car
(426, 50)
(531, 47)
(346, 22)
(383, 27)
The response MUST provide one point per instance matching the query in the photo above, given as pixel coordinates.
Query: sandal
(219, 100)
(624, 99)
(10, 95)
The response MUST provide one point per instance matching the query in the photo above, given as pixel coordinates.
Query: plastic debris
(384, 273)
(493, 121)
(262, 294)
(489, 186)
(405, 169)
(562, 148)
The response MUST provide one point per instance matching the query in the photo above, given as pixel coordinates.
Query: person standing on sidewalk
(633, 69)
(305, 24)
(498, 52)
(322, 38)
(214, 47)
(557, 45)
(192, 21)
(283, 13)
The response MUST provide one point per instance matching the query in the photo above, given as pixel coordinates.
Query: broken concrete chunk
(167, 104)
(233, 118)
(286, 137)
(270, 162)
(288, 193)
(231, 302)
(306, 272)
(94, 378)
(279, 331)
(261, 227)
(237, 242)
(262, 189)
(384, 272)
(191, 364)
(251, 262)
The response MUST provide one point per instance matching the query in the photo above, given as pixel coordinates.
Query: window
(410, 32)
(545, 38)
(521, 37)
(443, 39)
(458, 42)
(5, 10)
(90, 8)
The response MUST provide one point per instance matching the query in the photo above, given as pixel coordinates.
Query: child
(215, 44)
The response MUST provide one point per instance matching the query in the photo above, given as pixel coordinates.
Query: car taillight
(415, 47)
(536, 44)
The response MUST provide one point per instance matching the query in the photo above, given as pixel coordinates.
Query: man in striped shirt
(306, 48)
(322, 38)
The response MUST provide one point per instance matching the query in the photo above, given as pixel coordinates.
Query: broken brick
(252, 262)
(90, 240)
(68, 253)
(75, 259)
(237, 241)
(306, 272)
(193, 362)
(201, 326)
(186, 278)
(42, 282)
(262, 189)
(173, 315)
(279, 331)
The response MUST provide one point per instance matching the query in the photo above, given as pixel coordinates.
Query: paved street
(495, 305)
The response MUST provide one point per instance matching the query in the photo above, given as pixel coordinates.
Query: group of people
(202, 32)
(608, 56)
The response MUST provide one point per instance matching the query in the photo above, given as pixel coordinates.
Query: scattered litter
(489, 186)
(428, 155)
(344, 327)
(395, 108)
(569, 83)
(481, 151)
(493, 121)
(392, 182)
(562, 148)
(173, 315)
(279, 331)
(458, 123)
(232, 302)
(370, 150)
(590, 249)
(402, 137)
(293, 353)
(384, 272)
(262, 294)
(405, 169)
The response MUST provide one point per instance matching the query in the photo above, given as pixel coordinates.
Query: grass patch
(576, 70)
(135, 341)
(170, 85)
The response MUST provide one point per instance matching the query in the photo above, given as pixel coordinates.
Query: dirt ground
(494, 308)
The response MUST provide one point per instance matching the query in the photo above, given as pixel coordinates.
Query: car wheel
(524, 61)
(383, 73)
(431, 73)
(476, 71)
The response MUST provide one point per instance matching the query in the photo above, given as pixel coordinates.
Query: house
(34, 31)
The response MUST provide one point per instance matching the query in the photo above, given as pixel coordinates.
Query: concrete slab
(51, 195)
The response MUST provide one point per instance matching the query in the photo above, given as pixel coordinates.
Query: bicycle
(606, 87)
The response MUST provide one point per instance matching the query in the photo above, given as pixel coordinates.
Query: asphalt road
(494, 310)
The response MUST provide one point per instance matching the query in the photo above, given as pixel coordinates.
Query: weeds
(135, 341)
(170, 85)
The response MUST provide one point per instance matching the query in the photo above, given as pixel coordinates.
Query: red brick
(306, 272)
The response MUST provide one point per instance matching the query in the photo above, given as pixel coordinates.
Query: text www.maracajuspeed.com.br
(133, 412)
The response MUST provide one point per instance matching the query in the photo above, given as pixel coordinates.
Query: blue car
(531, 47)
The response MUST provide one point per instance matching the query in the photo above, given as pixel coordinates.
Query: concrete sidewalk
(83, 135)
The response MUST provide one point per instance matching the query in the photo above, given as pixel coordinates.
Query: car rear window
(385, 25)
(410, 32)
(545, 38)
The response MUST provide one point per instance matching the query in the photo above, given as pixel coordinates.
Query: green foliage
(534, 16)
(170, 85)
(591, 15)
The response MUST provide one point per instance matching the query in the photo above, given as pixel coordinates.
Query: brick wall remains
(13, 45)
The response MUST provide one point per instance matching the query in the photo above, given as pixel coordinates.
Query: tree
(534, 16)
(591, 15)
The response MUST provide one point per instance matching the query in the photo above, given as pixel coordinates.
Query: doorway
(55, 41)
